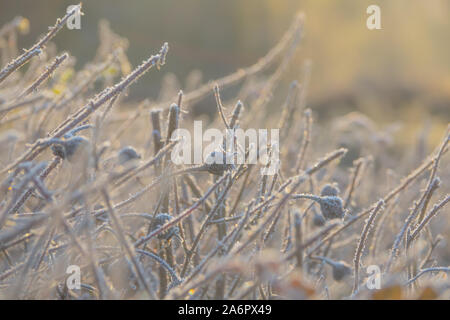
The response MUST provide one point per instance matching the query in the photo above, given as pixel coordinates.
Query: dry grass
(86, 179)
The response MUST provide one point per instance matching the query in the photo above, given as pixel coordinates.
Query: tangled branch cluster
(87, 180)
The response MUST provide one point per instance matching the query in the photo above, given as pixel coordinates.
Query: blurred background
(400, 74)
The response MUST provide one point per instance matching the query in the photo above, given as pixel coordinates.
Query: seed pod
(160, 220)
(340, 270)
(126, 154)
(70, 147)
(332, 207)
(217, 167)
(329, 190)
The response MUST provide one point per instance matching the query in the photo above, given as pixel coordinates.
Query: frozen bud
(340, 270)
(216, 163)
(160, 220)
(329, 190)
(332, 207)
(126, 154)
(70, 147)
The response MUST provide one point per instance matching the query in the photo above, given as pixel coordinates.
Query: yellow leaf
(58, 89)
(24, 26)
